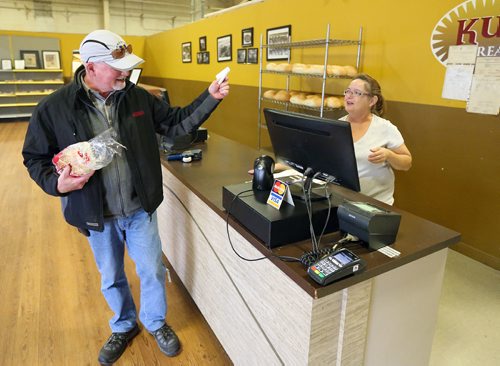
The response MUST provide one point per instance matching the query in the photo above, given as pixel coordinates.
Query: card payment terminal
(337, 265)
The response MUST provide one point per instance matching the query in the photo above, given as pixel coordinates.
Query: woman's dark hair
(374, 89)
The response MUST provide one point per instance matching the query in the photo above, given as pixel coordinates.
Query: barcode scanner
(263, 169)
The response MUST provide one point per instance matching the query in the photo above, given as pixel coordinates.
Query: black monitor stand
(298, 192)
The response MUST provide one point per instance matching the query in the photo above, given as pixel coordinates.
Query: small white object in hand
(222, 75)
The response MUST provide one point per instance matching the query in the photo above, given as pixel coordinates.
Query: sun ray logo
(471, 22)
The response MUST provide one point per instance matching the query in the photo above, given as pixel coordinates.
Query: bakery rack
(327, 42)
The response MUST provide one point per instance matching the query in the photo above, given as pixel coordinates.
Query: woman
(378, 144)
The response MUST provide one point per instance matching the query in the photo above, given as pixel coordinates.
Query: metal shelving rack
(327, 42)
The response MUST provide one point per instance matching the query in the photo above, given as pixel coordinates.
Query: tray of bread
(303, 99)
(312, 70)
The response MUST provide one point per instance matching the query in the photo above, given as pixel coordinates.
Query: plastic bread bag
(86, 156)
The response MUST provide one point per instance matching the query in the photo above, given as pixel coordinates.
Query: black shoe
(116, 345)
(167, 340)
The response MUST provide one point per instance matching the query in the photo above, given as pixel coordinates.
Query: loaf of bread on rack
(282, 96)
(350, 70)
(334, 102)
(298, 98)
(299, 68)
(313, 100)
(285, 67)
(335, 70)
(315, 69)
(271, 66)
(269, 94)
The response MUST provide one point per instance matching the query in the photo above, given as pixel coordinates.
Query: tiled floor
(468, 327)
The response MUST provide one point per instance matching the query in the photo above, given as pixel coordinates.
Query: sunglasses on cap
(119, 52)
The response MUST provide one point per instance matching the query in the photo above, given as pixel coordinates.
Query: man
(115, 206)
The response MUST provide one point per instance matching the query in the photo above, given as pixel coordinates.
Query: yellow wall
(396, 42)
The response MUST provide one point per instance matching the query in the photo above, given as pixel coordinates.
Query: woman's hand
(399, 158)
(379, 155)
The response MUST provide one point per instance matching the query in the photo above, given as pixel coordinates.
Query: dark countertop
(226, 162)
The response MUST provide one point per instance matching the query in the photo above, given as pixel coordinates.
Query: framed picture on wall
(276, 36)
(31, 59)
(51, 60)
(224, 48)
(186, 52)
(205, 57)
(247, 37)
(19, 64)
(203, 43)
(242, 55)
(252, 55)
(6, 64)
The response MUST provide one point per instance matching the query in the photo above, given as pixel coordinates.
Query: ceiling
(172, 13)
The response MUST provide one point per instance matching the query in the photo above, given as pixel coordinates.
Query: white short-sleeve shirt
(377, 180)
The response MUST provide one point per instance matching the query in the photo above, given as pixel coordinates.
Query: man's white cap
(99, 45)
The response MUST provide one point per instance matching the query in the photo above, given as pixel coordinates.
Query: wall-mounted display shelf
(21, 90)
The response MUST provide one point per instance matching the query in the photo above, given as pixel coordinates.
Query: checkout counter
(270, 312)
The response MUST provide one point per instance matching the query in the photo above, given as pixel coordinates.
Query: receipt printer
(375, 226)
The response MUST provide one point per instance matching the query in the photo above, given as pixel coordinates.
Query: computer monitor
(314, 145)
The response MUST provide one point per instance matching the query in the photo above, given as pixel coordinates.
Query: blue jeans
(139, 232)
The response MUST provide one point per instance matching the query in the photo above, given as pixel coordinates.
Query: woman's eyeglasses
(356, 93)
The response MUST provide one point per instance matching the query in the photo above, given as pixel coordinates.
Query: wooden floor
(52, 311)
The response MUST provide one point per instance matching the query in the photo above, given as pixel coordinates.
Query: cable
(227, 229)
(327, 195)
(283, 258)
(307, 181)
(309, 258)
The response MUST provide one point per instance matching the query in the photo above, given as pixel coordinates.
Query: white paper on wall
(457, 81)
(459, 72)
(484, 95)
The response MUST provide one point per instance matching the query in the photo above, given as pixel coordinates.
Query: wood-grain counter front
(269, 311)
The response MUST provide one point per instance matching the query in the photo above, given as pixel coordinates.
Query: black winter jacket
(62, 119)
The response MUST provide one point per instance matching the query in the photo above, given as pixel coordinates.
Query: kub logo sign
(473, 22)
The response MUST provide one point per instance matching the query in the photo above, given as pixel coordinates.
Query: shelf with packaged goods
(324, 71)
(21, 90)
